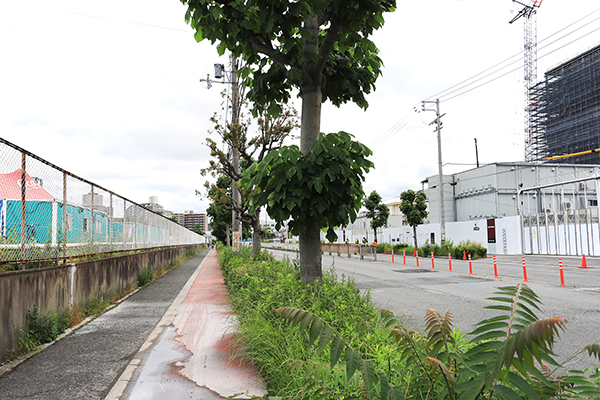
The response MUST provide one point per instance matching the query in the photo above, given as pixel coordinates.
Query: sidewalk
(189, 353)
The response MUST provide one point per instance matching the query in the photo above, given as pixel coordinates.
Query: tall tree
(198, 229)
(376, 211)
(414, 208)
(320, 48)
(270, 135)
(217, 211)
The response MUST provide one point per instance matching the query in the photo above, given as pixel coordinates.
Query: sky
(110, 91)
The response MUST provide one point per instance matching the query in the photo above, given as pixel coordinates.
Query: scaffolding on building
(566, 111)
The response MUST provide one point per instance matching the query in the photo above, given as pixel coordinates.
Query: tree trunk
(256, 231)
(227, 237)
(310, 240)
(415, 236)
(310, 254)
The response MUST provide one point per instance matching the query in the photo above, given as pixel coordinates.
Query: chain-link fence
(47, 213)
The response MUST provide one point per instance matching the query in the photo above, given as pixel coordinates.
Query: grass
(258, 287)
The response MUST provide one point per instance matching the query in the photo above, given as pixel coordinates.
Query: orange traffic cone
(464, 255)
(583, 263)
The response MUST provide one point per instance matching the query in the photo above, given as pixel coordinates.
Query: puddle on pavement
(160, 379)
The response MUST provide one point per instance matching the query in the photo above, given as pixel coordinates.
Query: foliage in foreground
(348, 350)
(257, 287)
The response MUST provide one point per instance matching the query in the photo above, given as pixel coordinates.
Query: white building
(510, 208)
(515, 208)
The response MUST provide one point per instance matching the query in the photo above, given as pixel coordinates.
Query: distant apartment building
(189, 219)
(157, 208)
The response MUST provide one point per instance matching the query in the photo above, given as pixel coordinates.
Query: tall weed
(258, 287)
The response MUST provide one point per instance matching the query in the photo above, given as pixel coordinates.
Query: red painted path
(191, 352)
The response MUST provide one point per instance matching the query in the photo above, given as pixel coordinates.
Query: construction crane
(530, 69)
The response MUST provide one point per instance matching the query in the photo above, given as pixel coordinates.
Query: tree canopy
(272, 37)
(303, 187)
(251, 147)
(376, 211)
(414, 208)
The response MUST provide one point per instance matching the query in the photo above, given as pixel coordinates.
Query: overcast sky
(109, 90)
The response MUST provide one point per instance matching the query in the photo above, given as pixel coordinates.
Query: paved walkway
(164, 342)
(191, 353)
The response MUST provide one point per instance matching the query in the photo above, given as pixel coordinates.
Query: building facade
(566, 111)
(190, 219)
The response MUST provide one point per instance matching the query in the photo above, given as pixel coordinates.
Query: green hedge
(476, 250)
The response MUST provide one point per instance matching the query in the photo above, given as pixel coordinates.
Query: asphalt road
(86, 364)
(409, 291)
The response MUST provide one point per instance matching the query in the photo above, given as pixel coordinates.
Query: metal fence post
(93, 227)
(64, 219)
(23, 226)
(110, 223)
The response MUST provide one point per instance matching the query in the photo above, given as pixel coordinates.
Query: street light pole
(235, 156)
(438, 123)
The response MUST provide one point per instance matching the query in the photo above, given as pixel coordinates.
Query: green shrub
(476, 250)
(399, 247)
(146, 276)
(500, 360)
(44, 328)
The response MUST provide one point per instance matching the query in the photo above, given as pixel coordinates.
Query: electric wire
(513, 70)
(126, 21)
(443, 95)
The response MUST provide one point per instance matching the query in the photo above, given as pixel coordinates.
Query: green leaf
(352, 361)
(315, 330)
(368, 374)
(505, 392)
(198, 34)
(337, 346)
(327, 334)
(523, 385)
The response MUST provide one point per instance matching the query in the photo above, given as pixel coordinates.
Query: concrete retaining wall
(59, 288)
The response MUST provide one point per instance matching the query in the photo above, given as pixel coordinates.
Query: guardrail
(349, 249)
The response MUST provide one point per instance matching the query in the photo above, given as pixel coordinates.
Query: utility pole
(438, 123)
(220, 73)
(476, 153)
(235, 190)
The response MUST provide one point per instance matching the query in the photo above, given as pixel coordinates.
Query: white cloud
(103, 90)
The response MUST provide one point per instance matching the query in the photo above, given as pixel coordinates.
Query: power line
(127, 21)
(443, 95)
(516, 69)
(398, 126)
